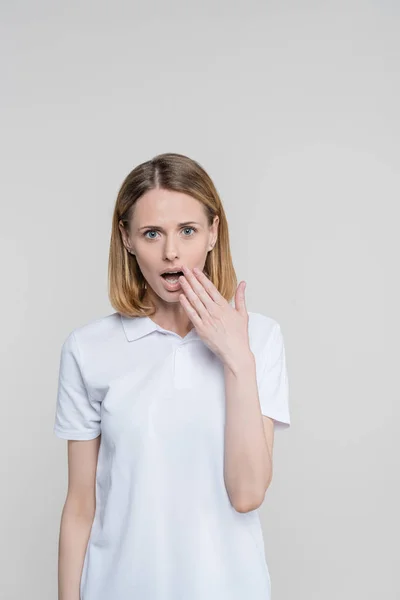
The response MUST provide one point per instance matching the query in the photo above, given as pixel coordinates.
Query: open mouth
(173, 277)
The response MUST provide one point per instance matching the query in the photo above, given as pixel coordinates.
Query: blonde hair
(175, 172)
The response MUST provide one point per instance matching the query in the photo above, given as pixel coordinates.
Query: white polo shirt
(164, 527)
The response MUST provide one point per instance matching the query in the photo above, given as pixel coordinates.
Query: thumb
(240, 301)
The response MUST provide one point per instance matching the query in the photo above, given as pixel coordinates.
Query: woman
(169, 405)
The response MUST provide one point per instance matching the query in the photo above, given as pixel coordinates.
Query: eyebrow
(185, 224)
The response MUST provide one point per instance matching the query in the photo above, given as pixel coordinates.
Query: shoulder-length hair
(175, 172)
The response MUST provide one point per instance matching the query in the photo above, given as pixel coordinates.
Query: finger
(200, 290)
(190, 311)
(193, 298)
(240, 302)
(209, 287)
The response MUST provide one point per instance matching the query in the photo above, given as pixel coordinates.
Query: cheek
(150, 256)
(197, 248)
(147, 258)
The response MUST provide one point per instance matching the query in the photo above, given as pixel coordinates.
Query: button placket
(182, 370)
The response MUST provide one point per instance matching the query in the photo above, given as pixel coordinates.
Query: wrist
(240, 363)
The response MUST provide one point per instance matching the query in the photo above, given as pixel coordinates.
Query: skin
(169, 246)
(159, 242)
(248, 436)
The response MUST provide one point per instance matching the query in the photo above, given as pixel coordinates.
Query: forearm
(74, 535)
(247, 461)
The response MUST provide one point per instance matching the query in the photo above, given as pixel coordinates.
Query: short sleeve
(273, 385)
(77, 415)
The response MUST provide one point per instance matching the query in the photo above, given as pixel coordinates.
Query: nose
(171, 251)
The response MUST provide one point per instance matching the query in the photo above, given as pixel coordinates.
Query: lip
(173, 270)
(171, 287)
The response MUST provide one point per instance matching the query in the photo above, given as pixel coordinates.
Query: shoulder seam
(80, 361)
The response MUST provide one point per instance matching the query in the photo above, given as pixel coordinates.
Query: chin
(164, 295)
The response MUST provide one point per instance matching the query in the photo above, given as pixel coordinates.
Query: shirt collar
(137, 327)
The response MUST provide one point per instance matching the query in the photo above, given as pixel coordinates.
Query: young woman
(169, 405)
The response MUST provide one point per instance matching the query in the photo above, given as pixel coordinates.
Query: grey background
(293, 108)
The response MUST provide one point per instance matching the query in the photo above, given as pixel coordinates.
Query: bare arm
(77, 515)
(249, 438)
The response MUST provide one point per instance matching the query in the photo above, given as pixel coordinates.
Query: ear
(214, 231)
(124, 235)
(122, 230)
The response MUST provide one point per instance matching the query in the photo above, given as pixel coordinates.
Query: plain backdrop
(293, 109)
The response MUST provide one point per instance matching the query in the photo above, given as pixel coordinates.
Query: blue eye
(193, 228)
(154, 231)
(149, 231)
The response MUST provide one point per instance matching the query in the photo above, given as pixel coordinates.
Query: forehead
(168, 206)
